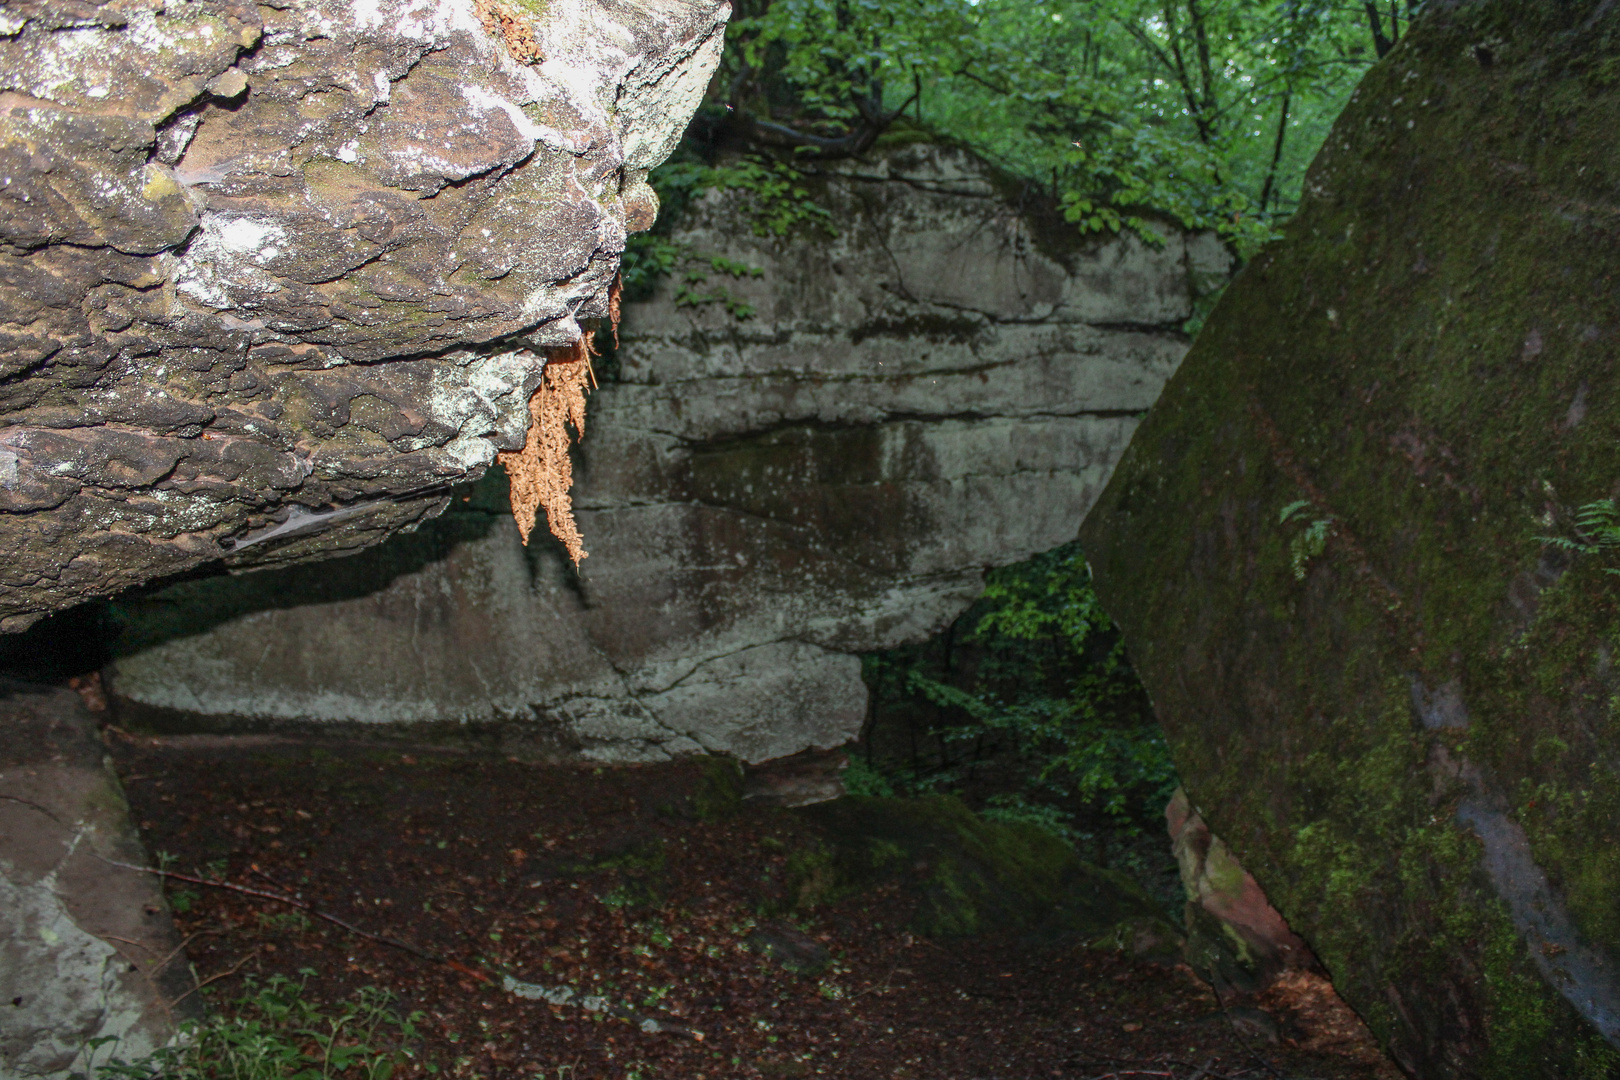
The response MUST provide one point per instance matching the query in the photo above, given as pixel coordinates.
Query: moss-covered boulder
(1385, 689)
(972, 876)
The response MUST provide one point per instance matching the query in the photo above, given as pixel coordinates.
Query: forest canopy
(1205, 112)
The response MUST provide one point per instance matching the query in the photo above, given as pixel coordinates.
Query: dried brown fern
(504, 21)
(541, 472)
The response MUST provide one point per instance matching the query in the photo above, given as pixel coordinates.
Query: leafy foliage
(1597, 531)
(779, 203)
(1029, 708)
(275, 1033)
(1202, 111)
(1308, 542)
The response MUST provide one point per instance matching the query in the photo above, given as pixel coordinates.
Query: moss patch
(1426, 362)
(968, 875)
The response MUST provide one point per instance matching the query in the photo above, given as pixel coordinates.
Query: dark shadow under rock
(973, 876)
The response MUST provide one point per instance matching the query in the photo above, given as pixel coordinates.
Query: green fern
(1597, 530)
(1310, 542)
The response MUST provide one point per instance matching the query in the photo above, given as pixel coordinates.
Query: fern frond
(1291, 509)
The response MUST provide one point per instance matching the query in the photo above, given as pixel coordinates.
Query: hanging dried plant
(509, 24)
(541, 472)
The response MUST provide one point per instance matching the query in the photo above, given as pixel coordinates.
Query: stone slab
(87, 949)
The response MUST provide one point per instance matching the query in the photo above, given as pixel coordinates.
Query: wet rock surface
(87, 948)
(269, 275)
(941, 386)
(1384, 687)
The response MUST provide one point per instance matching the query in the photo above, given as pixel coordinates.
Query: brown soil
(613, 882)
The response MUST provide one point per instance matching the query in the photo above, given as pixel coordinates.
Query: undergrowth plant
(1028, 708)
(1597, 532)
(275, 1033)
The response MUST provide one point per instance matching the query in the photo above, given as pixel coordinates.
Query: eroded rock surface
(941, 387)
(1235, 939)
(268, 274)
(1386, 690)
(87, 948)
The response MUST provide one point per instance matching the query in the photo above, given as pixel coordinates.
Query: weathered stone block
(270, 275)
(87, 948)
(1235, 939)
(1387, 691)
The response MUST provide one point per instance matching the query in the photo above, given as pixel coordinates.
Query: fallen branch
(227, 973)
(291, 901)
(558, 996)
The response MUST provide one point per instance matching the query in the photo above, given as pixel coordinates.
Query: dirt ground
(625, 888)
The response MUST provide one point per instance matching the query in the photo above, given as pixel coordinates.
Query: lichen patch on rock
(261, 266)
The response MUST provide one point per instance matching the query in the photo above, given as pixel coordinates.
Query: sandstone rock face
(1387, 692)
(1235, 939)
(268, 274)
(941, 387)
(87, 948)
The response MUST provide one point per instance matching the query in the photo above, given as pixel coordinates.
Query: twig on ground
(227, 973)
(180, 948)
(882, 987)
(291, 901)
(141, 945)
(34, 806)
(556, 997)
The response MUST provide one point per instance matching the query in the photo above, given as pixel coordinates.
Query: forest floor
(623, 885)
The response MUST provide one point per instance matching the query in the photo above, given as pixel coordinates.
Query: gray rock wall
(943, 386)
(269, 274)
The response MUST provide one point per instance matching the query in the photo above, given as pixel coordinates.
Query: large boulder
(1327, 548)
(1235, 939)
(270, 274)
(91, 967)
(942, 386)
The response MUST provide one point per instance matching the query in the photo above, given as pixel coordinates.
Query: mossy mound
(1388, 693)
(969, 875)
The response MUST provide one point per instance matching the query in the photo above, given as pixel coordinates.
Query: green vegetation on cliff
(1120, 113)
(1203, 113)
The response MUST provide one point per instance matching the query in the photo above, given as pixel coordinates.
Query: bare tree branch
(1381, 43)
(875, 121)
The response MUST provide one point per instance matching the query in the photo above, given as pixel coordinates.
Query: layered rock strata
(1362, 557)
(939, 382)
(269, 275)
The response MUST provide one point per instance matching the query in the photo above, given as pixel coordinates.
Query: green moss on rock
(968, 875)
(1427, 361)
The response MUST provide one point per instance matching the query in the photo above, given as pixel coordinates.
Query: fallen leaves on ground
(610, 883)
